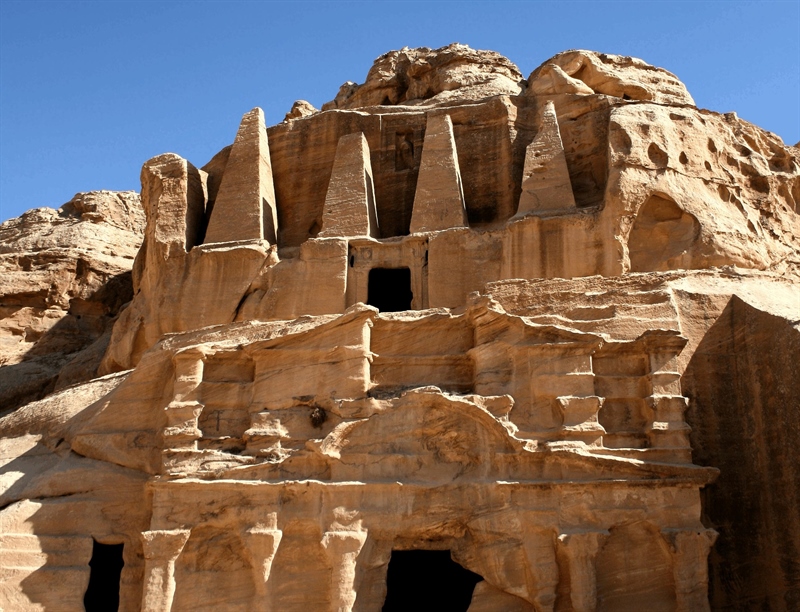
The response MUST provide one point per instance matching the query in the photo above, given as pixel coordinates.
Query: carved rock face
(451, 325)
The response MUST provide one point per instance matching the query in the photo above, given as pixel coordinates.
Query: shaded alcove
(102, 594)
(661, 233)
(428, 580)
(390, 289)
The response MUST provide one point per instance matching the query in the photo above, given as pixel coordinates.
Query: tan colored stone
(439, 198)
(350, 201)
(426, 76)
(64, 276)
(540, 398)
(623, 77)
(551, 80)
(545, 177)
(245, 205)
(300, 109)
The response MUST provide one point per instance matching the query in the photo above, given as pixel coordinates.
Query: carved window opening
(106, 564)
(428, 580)
(390, 289)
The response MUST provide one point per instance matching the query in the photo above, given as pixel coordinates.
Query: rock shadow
(744, 411)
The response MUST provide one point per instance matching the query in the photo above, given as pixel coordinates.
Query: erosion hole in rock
(658, 155)
(390, 289)
(102, 594)
(428, 580)
(662, 232)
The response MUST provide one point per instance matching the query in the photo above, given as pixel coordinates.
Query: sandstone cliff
(64, 275)
(538, 333)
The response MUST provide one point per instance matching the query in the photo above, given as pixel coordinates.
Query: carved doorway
(389, 289)
(428, 580)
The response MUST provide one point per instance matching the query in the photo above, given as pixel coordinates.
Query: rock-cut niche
(661, 233)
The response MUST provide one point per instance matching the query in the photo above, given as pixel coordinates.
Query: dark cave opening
(390, 289)
(428, 580)
(102, 594)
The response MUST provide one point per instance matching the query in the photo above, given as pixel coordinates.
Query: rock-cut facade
(457, 340)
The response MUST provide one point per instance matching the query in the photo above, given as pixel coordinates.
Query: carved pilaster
(261, 544)
(181, 431)
(581, 550)
(580, 416)
(263, 438)
(180, 434)
(161, 549)
(668, 428)
(188, 373)
(343, 547)
(690, 566)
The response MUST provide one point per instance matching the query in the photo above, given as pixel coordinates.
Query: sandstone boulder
(300, 109)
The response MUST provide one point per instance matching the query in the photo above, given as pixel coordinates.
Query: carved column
(581, 418)
(690, 566)
(343, 547)
(668, 429)
(181, 433)
(581, 550)
(161, 549)
(261, 544)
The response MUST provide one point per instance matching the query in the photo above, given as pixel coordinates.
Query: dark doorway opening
(428, 580)
(390, 289)
(102, 594)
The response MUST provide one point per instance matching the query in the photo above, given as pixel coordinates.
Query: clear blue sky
(90, 90)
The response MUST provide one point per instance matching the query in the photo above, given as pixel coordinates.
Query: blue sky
(90, 90)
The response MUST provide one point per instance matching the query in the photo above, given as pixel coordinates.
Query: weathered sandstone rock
(350, 200)
(628, 78)
(426, 76)
(244, 207)
(64, 275)
(439, 199)
(529, 344)
(545, 177)
(300, 109)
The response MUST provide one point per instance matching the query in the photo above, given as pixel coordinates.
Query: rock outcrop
(513, 336)
(628, 78)
(425, 77)
(64, 275)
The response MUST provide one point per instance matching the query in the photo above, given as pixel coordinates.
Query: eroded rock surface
(509, 329)
(423, 76)
(623, 77)
(64, 275)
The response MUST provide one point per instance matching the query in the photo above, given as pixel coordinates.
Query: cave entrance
(102, 594)
(428, 580)
(390, 289)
